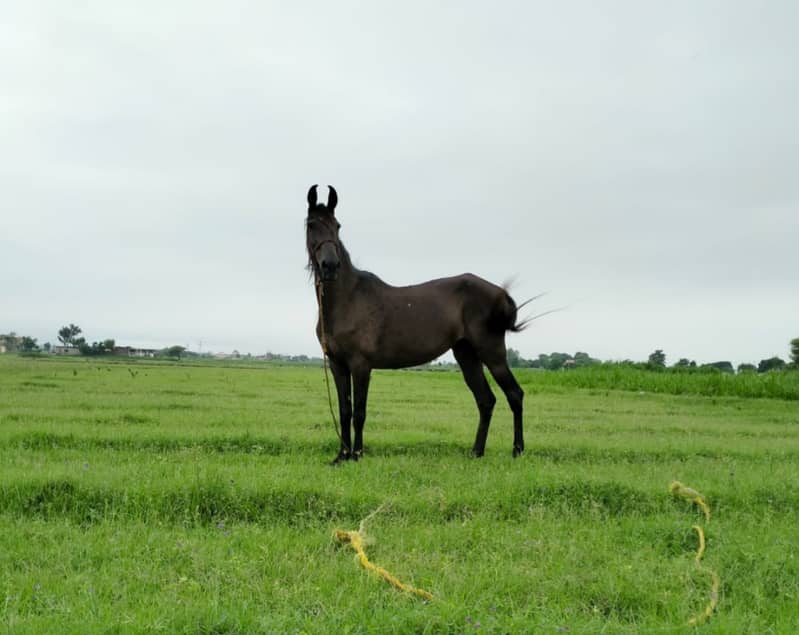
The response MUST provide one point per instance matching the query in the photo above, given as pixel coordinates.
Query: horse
(364, 323)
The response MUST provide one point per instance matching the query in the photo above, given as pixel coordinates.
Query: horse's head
(321, 236)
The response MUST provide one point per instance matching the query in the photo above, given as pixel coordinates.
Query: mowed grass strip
(546, 573)
(194, 487)
(141, 498)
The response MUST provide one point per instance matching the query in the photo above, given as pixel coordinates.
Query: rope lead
(323, 341)
(355, 539)
(682, 491)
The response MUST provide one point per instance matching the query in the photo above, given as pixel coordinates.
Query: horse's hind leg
(472, 369)
(501, 372)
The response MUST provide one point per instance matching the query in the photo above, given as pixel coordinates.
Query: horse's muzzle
(329, 271)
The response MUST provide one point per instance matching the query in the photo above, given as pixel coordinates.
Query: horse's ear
(312, 197)
(332, 199)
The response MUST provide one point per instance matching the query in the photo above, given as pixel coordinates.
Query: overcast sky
(635, 160)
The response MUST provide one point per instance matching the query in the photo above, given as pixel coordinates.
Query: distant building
(130, 351)
(143, 352)
(66, 350)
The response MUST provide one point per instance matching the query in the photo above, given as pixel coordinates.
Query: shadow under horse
(365, 323)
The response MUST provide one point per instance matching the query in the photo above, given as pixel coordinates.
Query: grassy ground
(173, 498)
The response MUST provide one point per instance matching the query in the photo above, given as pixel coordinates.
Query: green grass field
(197, 499)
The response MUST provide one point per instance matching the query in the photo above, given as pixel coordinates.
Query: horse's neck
(337, 291)
(335, 296)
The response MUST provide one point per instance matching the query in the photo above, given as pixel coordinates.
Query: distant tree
(82, 345)
(657, 360)
(46, 347)
(514, 358)
(558, 360)
(10, 341)
(584, 359)
(174, 351)
(67, 334)
(724, 367)
(772, 363)
(95, 348)
(28, 344)
(795, 353)
(747, 368)
(683, 362)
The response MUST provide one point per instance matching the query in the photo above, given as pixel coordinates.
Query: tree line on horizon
(655, 362)
(70, 335)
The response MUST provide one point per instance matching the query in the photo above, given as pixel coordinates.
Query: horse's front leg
(360, 377)
(341, 375)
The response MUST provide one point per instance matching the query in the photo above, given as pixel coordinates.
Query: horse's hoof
(357, 455)
(340, 458)
(476, 454)
(517, 451)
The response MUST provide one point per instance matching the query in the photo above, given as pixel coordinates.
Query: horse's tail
(504, 315)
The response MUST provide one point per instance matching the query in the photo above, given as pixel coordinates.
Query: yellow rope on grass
(678, 489)
(714, 584)
(355, 538)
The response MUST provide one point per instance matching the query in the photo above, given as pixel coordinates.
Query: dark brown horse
(370, 324)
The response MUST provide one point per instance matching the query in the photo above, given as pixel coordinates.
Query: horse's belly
(412, 344)
(415, 358)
